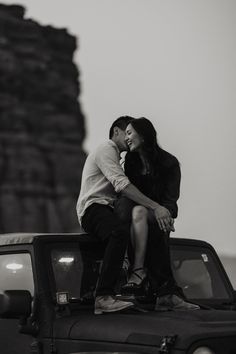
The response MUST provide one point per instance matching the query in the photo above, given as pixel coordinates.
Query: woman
(156, 173)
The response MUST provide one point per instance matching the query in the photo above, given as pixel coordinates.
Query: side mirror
(15, 303)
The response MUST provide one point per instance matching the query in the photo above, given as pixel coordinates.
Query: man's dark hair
(121, 123)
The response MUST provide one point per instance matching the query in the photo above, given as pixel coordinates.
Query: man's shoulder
(107, 146)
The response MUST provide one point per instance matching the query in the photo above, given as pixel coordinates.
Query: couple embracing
(132, 208)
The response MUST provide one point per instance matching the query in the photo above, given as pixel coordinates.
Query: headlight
(203, 350)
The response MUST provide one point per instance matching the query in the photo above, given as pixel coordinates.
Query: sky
(172, 61)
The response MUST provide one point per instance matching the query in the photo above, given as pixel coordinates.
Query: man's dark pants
(100, 221)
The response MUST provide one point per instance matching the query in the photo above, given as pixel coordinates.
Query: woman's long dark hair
(156, 156)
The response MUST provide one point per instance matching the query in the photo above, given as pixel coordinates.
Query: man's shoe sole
(176, 308)
(100, 311)
(186, 309)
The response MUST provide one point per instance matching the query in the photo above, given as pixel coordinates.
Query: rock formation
(41, 126)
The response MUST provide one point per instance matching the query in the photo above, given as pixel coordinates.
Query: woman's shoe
(136, 288)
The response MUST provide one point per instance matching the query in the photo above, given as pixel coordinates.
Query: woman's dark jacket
(162, 184)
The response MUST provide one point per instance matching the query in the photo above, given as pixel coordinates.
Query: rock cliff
(42, 127)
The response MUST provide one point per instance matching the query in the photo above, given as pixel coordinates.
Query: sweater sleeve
(107, 160)
(171, 189)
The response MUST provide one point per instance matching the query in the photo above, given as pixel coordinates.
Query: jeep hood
(148, 328)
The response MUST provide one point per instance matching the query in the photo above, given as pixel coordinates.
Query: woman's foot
(137, 282)
(137, 276)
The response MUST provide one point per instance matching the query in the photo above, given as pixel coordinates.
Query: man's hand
(164, 219)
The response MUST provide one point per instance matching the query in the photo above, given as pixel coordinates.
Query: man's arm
(107, 160)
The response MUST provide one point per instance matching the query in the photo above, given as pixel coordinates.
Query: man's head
(117, 131)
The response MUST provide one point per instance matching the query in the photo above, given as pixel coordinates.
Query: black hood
(149, 328)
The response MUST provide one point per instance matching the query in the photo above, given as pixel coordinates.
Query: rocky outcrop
(41, 126)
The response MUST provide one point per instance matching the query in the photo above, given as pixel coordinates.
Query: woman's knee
(139, 213)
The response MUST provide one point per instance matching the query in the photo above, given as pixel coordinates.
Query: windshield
(195, 269)
(198, 273)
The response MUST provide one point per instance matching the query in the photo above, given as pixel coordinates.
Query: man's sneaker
(107, 303)
(173, 302)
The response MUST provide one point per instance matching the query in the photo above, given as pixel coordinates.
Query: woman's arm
(171, 189)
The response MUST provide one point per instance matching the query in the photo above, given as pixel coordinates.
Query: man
(102, 178)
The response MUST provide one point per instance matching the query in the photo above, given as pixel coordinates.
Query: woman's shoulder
(167, 159)
(131, 157)
(132, 163)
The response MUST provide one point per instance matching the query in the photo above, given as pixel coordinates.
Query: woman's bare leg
(139, 236)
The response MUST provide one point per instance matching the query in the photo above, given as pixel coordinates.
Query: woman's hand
(164, 219)
(172, 228)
